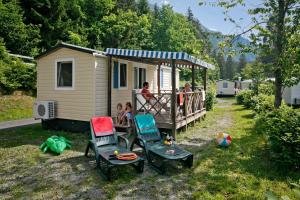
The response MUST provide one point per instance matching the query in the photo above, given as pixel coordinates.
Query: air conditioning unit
(297, 101)
(44, 109)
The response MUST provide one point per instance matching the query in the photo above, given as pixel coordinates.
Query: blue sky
(212, 17)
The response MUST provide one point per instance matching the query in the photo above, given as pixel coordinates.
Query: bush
(210, 99)
(262, 103)
(17, 75)
(266, 88)
(282, 127)
(244, 97)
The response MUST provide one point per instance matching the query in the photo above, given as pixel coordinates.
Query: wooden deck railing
(187, 105)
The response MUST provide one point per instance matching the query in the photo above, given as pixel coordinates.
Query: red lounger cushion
(102, 126)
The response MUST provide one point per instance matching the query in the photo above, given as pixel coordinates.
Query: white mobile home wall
(290, 94)
(229, 90)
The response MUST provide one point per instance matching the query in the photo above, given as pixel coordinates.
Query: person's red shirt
(146, 93)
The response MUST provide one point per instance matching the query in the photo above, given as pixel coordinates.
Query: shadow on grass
(249, 116)
(35, 135)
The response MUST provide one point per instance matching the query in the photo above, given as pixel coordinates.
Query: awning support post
(193, 78)
(174, 95)
(205, 79)
(109, 80)
(158, 78)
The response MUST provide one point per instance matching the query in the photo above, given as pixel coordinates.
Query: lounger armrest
(95, 147)
(125, 139)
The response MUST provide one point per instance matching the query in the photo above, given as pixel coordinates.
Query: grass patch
(15, 107)
(241, 171)
(244, 169)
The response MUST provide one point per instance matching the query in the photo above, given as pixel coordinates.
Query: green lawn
(15, 107)
(241, 171)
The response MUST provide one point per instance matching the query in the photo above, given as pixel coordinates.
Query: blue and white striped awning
(186, 59)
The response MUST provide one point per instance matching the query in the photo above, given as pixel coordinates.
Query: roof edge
(69, 46)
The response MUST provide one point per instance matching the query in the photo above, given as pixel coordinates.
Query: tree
(255, 72)
(55, 18)
(143, 7)
(190, 15)
(126, 5)
(221, 63)
(18, 37)
(155, 11)
(199, 32)
(229, 67)
(275, 23)
(242, 63)
(173, 32)
(126, 30)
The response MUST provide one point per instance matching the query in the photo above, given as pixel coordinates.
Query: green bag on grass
(55, 144)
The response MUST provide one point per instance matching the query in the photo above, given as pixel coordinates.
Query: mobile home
(84, 82)
(291, 95)
(225, 88)
(246, 84)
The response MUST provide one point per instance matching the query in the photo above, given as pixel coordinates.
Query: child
(120, 113)
(127, 116)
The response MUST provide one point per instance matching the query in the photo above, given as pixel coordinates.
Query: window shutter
(116, 74)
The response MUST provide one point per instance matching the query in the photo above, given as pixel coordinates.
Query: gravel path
(18, 123)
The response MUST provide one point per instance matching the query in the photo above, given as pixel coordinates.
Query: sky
(213, 17)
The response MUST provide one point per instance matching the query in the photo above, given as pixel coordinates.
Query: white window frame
(138, 65)
(225, 83)
(73, 73)
(119, 74)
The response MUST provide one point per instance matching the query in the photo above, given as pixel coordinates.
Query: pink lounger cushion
(102, 126)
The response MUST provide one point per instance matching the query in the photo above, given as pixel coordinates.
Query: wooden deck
(181, 122)
(189, 108)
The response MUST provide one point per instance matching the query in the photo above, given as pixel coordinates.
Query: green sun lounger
(157, 153)
(105, 142)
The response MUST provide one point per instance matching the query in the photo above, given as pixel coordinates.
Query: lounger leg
(159, 168)
(87, 149)
(104, 168)
(189, 161)
(139, 167)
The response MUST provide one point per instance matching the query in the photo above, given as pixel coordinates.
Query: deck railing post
(173, 102)
(193, 88)
(205, 84)
(134, 106)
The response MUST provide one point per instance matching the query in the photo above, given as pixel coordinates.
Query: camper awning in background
(156, 57)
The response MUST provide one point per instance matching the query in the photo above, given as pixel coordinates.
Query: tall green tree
(242, 63)
(143, 7)
(19, 38)
(221, 63)
(126, 30)
(173, 32)
(126, 5)
(57, 19)
(256, 72)
(275, 23)
(199, 32)
(229, 67)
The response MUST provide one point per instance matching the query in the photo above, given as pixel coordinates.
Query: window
(139, 77)
(64, 77)
(161, 78)
(120, 75)
(225, 85)
(123, 75)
